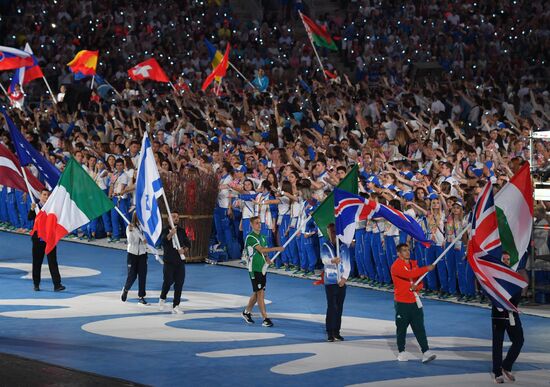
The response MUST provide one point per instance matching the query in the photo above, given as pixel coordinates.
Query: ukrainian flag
(84, 63)
(214, 54)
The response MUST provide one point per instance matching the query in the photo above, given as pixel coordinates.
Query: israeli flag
(148, 190)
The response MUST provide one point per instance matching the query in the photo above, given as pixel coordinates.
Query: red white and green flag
(74, 202)
(318, 34)
(514, 207)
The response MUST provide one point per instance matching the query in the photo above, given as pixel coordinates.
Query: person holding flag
(39, 249)
(408, 308)
(256, 247)
(137, 260)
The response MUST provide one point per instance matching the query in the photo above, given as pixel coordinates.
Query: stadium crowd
(422, 145)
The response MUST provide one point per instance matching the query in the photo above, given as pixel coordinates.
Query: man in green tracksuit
(255, 247)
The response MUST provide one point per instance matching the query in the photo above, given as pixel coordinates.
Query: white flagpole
(4, 90)
(444, 252)
(92, 84)
(27, 184)
(50, 90)
(290, 239)
(242, 76)
(313, 45)
(176, 240)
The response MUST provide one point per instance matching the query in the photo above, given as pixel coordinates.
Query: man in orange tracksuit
(408, 311)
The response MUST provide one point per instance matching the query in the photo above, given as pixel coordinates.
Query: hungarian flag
(149, 69)
(11, 176)
(485, 252)
(324, 214)
(74, 202)
(514, 206)
(219, 71)
(318, 34)
(84, 63)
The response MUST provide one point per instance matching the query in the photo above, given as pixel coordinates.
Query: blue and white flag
(148, 190)
(29, 155)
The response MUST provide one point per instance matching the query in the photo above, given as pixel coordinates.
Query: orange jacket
(403, 276)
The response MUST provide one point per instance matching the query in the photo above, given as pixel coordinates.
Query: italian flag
(318, 34)
(514, 206)
(74, 202)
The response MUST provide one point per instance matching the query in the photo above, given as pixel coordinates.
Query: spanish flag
(84, 62)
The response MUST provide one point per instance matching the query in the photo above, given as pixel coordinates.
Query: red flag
(149, 69)
(11, 176)
(219, 71)
(330, 75)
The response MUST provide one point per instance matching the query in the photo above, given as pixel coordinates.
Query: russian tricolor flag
(13, 58)
(24, 75)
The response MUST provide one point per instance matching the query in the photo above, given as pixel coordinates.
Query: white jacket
(136, 241)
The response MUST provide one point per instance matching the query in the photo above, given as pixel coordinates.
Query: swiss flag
(11, 176)
(149, 69)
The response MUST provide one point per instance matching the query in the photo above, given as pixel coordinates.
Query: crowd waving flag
(324, 214)
(149, 69)
(514, 206)
(74, 202)
(84, 63)
(148, 190)
(485, 252)
(11, 175)
(29, 155)
(13, 58)
(318, 34)
(219, 70)
(349, 209)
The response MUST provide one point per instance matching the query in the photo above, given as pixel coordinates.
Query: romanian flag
(318, 34)
(215, 55)
(84, 63)
(219, 71)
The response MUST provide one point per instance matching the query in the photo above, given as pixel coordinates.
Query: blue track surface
(88, 328)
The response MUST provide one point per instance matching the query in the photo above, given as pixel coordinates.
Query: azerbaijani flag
(318, 34)
(84, 63)
(514, 207)
(74, 202)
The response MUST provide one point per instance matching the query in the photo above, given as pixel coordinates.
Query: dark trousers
(335, 306)
(137, 268)
(173, 274)
(410, 314)
(515, 333)
(38, 252)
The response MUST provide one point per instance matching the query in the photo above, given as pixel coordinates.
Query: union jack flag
(485, 252)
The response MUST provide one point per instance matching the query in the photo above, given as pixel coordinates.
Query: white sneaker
(177, 310)
(161, 304)
(402, 356)
(428, 356)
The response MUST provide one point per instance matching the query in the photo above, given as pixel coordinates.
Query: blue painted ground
(62, 341)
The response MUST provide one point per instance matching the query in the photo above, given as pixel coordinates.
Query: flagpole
(313, 45)
(112, 87)
(457, 238)
(294, 235)
(171, 221)
(27, 184)
(92, 84)
(242, 76)
(339, 256)
(50, 90)
(4, 90)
